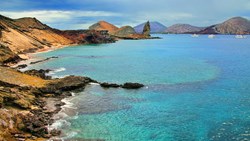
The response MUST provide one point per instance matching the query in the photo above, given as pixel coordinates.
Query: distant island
(234, 26)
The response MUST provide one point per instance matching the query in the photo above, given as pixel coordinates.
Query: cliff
(236, 25)
(27, 35)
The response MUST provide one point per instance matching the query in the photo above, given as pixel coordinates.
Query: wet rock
(55, 132)
(68, 83)
(109, 85)
(132, 85)
(39, 73)
(22, 66)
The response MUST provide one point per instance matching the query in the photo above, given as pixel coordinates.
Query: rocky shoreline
(26, 113)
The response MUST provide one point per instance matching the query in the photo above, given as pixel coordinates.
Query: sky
(80, 14)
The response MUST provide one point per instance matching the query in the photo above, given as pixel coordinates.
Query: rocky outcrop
(155, 27)
(182, 29)
(109, 85)
(39, 73)
(146, 29)
(23, 98)
(127, 85)
(236, 25)
(68, 83)
(132, 85)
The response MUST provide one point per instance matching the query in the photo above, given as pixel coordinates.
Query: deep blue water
(197, 89)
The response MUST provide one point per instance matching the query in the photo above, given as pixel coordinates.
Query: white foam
(58, 124)
(60, 69)
(56, 71)
(68, 104)
(94, 84)
(57, 76)
(70, 135)
(73, 94)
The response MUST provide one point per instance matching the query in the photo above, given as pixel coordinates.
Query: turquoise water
(197, 89)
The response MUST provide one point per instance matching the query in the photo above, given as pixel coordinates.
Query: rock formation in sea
(146, 29)
(236, 25)
(125, 32)
(182, 29)
(155, 27)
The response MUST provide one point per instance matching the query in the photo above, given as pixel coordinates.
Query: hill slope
(25, 35)
(103, 25)
(182, 28)
(236, 25)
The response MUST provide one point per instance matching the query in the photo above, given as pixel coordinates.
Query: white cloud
(50, 16)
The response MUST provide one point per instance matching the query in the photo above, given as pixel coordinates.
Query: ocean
(197, 89)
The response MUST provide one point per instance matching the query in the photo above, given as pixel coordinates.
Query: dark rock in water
(132, 85)
(55, 132)
(39, 73)
(68, 83)
(22, 66)
(109, 85)
(39, 61)
(146, 29)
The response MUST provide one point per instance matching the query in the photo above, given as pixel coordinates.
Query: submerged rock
(39, 61)
(22, 66)
(109, 85)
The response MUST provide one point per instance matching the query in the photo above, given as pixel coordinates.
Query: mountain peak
(235, 25)
(103, 25)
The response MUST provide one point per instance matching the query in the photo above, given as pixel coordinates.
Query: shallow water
(197, 89)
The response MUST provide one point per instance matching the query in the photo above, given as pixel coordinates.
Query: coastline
(52, 98)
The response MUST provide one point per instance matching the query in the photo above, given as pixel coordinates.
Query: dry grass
(14, 77)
